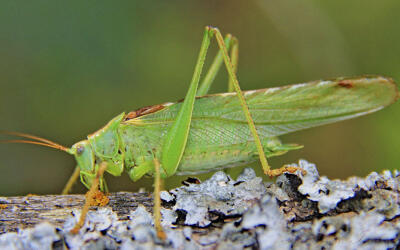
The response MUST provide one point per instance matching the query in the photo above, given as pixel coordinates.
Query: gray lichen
(298, 211)
(218, 195)
(43, 236)
(328, 193)
(270, 224)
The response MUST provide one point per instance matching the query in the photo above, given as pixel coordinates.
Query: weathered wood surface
(26, 211)
(296, 212)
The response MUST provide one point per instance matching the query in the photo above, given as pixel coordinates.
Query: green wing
(278, 111)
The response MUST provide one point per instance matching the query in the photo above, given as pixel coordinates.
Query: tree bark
(21, 212)
(296, 212)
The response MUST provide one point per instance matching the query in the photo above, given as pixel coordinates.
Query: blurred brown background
(66, 68)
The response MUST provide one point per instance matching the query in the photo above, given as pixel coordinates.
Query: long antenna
(39, 140)
(36, 143)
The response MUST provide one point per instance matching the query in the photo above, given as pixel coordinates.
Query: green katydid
(210, 132)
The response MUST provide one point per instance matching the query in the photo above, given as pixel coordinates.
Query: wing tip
(393, 84)
(388, 81)
(348, 82)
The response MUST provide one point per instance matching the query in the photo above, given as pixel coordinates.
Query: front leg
(71, 181)
(90, 195)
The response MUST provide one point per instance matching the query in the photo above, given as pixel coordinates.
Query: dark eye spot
(79, 150)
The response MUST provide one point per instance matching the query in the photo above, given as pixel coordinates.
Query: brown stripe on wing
(154, 108)
(143, 111)
(348, 84)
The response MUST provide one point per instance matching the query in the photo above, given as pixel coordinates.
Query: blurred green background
(66, 68)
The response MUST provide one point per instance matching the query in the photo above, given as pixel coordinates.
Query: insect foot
(92, 198)
(98, 198)
(286, 168)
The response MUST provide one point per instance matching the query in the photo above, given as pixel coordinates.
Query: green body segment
(219, 135)
(225, 149)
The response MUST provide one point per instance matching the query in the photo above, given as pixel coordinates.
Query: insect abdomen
(203, 160)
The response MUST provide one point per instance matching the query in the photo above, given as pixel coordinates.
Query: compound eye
(79, 150)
